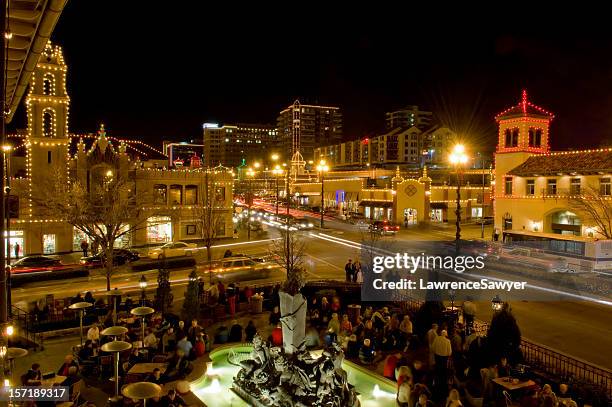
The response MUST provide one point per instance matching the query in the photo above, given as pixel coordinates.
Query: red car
(39, 268)
(384, 227)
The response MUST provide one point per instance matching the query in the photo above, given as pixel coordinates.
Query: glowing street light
(322, 168)
(143, 286)
(458, 159)
(497, 303)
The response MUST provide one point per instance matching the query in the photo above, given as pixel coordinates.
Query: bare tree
(105, 209)
(289, 252)
(209, 216)
(597, 209)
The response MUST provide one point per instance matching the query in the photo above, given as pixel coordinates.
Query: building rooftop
(524, 109)
(135, 148)
(567, 162)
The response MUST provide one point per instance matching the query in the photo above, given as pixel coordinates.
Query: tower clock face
(410, 190)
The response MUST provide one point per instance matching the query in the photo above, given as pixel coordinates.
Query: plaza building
(232, 145)
(302, 128)
(47, 149)
(418, 196)
(406, 146)
(547, 198)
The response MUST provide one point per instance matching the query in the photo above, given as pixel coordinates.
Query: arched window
(531, 137)
(48, 88)
(515, 137)
(508, 135)
(48, 123)
(538, 138)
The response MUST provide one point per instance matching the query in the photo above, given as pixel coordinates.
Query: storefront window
(48, 244)
(379, 213)
(191, 195)
(77, 237)
(476, 212)
(14, 246)
(159, 229)
(176, 194)
(436, 215)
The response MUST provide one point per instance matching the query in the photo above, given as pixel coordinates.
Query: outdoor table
(144, 368)
(52, 381)
(141, 391)
(507, 384)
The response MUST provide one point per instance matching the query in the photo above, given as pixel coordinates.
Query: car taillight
(386, 227)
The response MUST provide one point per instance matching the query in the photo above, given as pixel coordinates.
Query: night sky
(158, 70)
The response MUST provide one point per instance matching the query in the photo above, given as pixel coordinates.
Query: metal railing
(558, 366)
(25, 324)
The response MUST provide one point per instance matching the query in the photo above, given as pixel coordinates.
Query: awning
(438, 205)
(29, 25)
(376, 204)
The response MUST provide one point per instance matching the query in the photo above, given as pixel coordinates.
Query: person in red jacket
(390, 364)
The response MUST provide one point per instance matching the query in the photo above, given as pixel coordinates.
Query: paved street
(545, 321)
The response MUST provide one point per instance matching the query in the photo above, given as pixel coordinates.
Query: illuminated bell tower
(523, 132)
(47, 108)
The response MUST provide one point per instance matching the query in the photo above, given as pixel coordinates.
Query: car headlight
(310, 225)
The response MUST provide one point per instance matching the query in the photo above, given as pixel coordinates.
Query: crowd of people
(433, 369)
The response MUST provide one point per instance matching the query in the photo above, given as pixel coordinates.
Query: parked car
(384, 227)
(242, 268)
(172, 249)
(120, 257)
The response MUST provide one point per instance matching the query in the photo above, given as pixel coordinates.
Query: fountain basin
(214, 388)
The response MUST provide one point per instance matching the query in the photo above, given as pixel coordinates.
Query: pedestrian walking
(349, 270)
(84, 247)
(496, 235)
(17, 247)
(358, 273)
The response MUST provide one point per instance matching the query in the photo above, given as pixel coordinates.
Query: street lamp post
(322, 168)
(7, 148)
(143, 286)
(458, 158)
(277, 172)
(482, 203)
(250, 174)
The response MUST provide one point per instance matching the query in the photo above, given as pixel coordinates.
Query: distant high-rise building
(306, 127)
(230, 144)
(407, 117)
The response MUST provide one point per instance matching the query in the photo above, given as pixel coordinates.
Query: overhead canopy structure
(28, 28)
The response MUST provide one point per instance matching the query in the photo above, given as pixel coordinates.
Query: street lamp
(143, 286)
(277, 172)
(322, 168)
(497, 303)
(458, 159)
(250, 174)
(6, 150)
